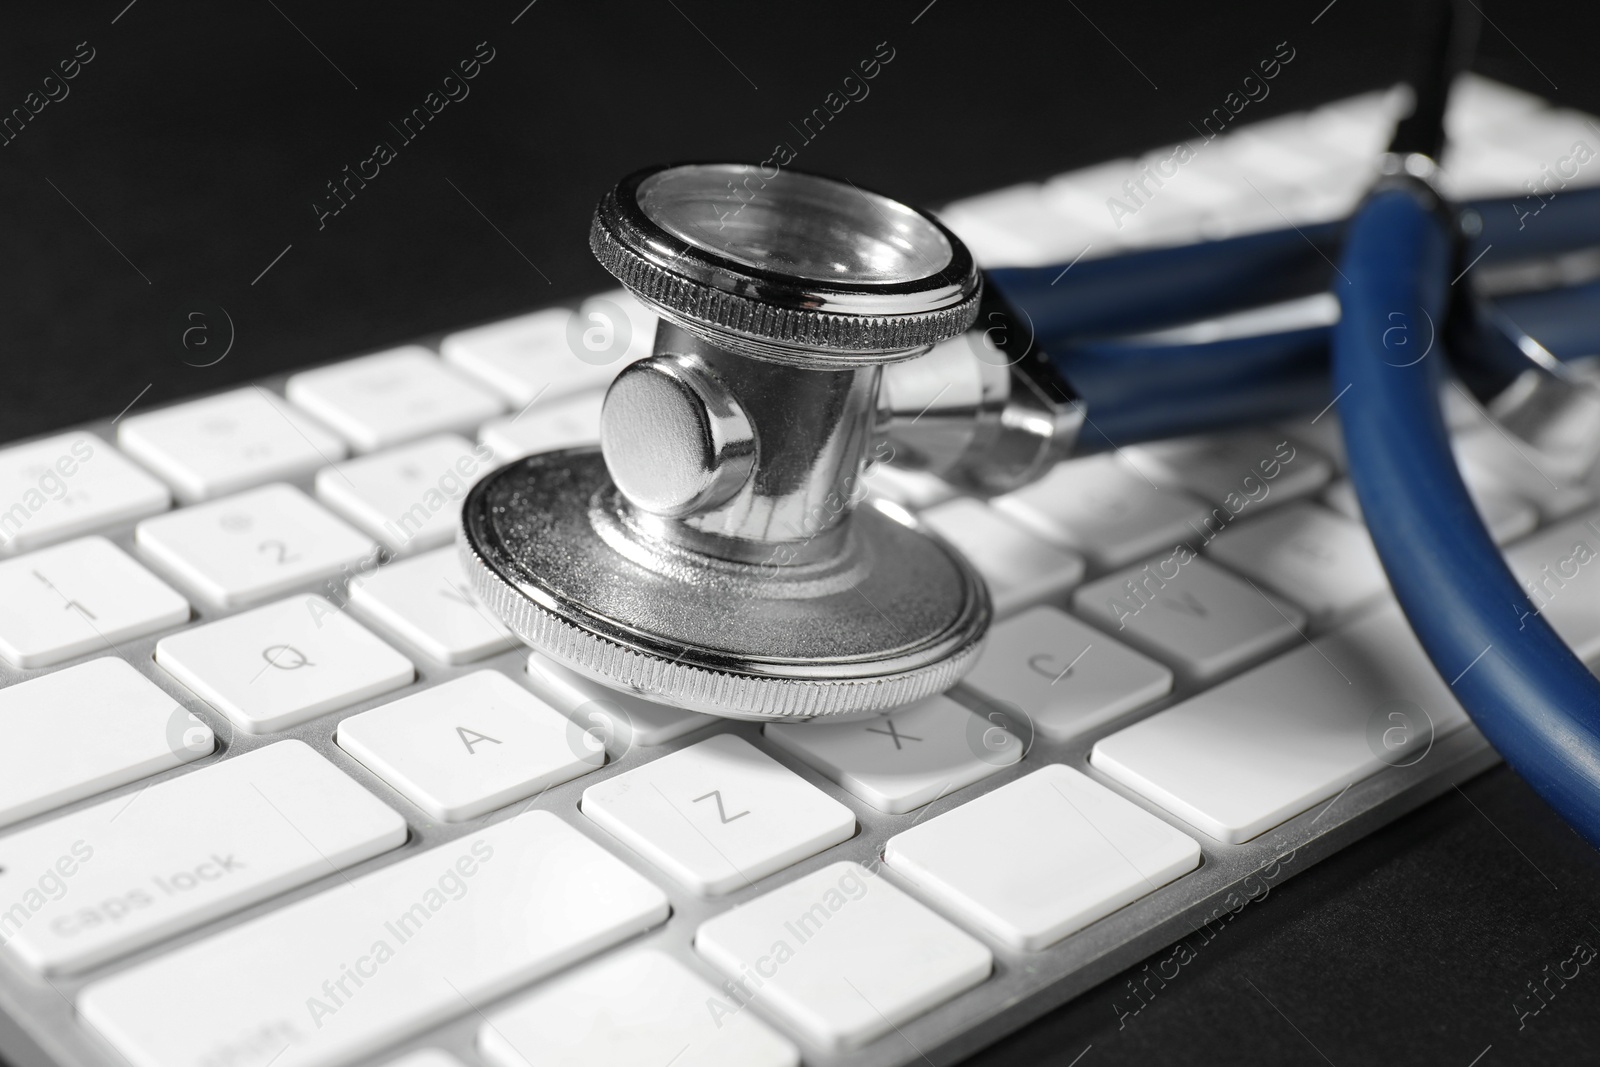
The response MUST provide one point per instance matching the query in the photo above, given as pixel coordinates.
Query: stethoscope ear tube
(1527, 692)
(1148, 290)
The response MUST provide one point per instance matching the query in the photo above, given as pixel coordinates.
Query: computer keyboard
(276, 790)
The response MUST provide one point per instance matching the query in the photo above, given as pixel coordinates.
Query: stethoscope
(716, 550)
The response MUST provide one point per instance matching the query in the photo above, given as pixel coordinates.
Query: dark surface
(198, 139)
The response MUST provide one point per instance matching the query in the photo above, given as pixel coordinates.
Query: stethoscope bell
(711, 552)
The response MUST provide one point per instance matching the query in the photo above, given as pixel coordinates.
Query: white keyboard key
(1041, 857)
(991, 244)
(1173, 218)
(190, 849)
(1524, 471)
(1242, 472)
(719, 815)
(1507, 517)
(613, 330)
(1363, 124)
(542, 356)
(565, 422)
(394, 396)
(1559, 567)
(222, 444)
(1480, 107)
(1322, 432)
(1293, 160)
(1239, 759)
(642, 1007)
(436, 933)
(1100, 507)
(1065, 677)
(86, 729)
(1321, 561)
(68, 485)
(899, 762)
(428, 1057)
(276, 666)
(1021, 569)
(250, 547)
(609, 719)
(1037, 232)
(464, 748)
(82, 596)
(1193, 615)
(910, 489)
(1461, 412)
(843, 956)
(409, 497)
(426, 601)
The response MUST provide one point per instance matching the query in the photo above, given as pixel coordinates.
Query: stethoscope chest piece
(711, 552)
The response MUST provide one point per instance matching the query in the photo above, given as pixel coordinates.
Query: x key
(891, 732)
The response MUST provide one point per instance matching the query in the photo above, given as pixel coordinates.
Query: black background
(200, 135)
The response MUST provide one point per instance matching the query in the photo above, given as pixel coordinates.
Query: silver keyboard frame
(40, 1028)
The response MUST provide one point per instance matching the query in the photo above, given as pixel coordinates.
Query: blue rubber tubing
(1533, 699)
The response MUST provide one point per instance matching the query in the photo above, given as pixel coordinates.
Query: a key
(426, 602)
(910, 489)
(1191, 614)
(991, 245)
(640, 1007)
(1242, 472)
(1041, 857)
(1064, 677)
(540, 357)
(1095, 201)
(258, 544)
(899, 762)
(1021, 226)
(1239, 759)
(1507, 517)
(1480, 108)
(842, 956)
(614, 329)
(464, 748)
(1361, 124)
(221, 444)
(340, 975)
(427, 1057)
(1021, 569)
(86, 729)
(565, 422)
(82, 596)
(409, 497)
(611, 720)
(1319, 560)
(390, 397)
(68, 485)
(1547, 483)
(273, 667)
(1102, 508)
(719, 815)
(1287, 155)
(137, 869)
(1322, 432)
(1462, 414)
(1559, 568)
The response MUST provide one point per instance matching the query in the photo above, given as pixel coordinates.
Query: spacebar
(340, 975)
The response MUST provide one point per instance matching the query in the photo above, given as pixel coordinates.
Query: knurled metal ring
(929, 293)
